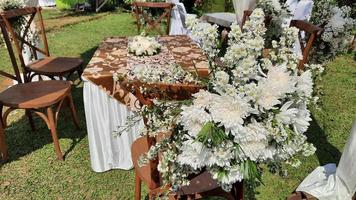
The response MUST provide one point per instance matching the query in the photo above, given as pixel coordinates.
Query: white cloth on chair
(103, 116)
(178, 17)
(330, 183)
(223, 19)
(241, 5)
(300, 10)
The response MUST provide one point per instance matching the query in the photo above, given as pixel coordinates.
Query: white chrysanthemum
(303, 118)
(254, 131)
(257, 150)
(222, 155)
(277, 84)
(305, 84)
(287, 114)
(193, 119)
(203, 99)
(230, 111)
(232, 176)
(194, 154)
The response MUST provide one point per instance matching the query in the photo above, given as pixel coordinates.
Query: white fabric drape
(103, 116)
(43, 3)
(46, 3)
(300, 10)
(178, 17)
(330, 183)
(241, 5)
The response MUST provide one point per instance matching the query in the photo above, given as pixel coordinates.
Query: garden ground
(33, 172)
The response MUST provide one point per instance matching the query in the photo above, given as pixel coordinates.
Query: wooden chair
(47, 66)
(140, 10)
(200, 186)
(37, 97)
(311, 33)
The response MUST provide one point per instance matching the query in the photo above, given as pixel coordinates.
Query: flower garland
(144, 46)
(18, 26)
(169, 74)
(254, 111)
(8, 5)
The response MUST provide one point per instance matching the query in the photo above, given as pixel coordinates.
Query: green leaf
(210, 134)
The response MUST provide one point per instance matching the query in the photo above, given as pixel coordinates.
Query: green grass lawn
(33, 172)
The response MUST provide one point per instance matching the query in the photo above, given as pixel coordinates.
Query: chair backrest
(248, 13)
(6, 37)
(311, 33)
(140, 9)
(19, 37)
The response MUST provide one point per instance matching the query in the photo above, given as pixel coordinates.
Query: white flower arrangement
(254, 110)
(338, 26)
(144, 46)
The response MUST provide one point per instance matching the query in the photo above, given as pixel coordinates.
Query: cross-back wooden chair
(48, 66)
(140, 10)
(311, 33)
(202, 185)
(248, 13)
(34, 97)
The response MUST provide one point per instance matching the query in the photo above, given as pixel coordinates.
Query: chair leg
(3, 145)
(137, 187)
(30, 119)
(52, 126)
(73, 111)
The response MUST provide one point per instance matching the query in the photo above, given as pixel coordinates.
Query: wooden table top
(112, 57)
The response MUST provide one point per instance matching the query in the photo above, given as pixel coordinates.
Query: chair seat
(199, 184)
(139, 147)
(35, 94)
(55, 65)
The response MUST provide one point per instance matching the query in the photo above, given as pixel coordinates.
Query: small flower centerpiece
(144, 46)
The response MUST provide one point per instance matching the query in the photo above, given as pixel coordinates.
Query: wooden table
(112, 57)
(107, 103)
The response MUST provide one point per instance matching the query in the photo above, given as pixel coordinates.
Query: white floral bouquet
(338, 26)
(254, 111)
(144, 46)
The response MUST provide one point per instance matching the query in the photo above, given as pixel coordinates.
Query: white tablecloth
(103, 116)
(223, 19)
